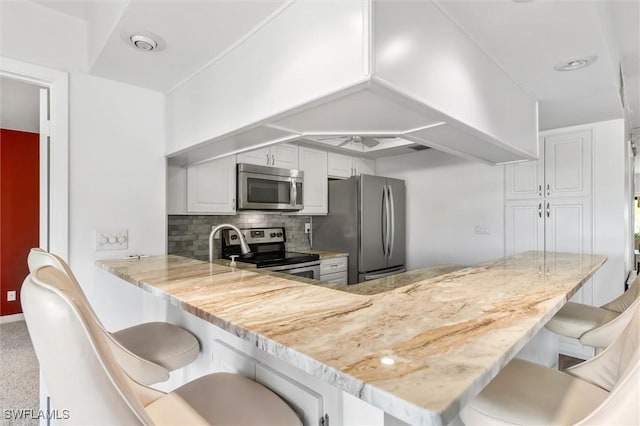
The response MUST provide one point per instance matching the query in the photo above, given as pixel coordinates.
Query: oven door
(307, 270)
(257, 191)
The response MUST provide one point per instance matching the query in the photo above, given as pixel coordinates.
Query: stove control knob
(273, 234)
(234, 237)
(279, 234)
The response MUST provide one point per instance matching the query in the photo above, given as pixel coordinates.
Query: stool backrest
(617, 369)
(79, 368)
(626, 299)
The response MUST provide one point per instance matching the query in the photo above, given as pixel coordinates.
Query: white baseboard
(11, 318)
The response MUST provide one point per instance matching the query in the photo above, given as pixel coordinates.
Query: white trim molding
(11, 318)
(58, 84)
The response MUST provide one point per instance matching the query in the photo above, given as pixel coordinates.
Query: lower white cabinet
(562, 225)
(211, 186)
(334, 270)
(306, 402)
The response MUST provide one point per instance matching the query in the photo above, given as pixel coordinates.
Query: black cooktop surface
(263, 260)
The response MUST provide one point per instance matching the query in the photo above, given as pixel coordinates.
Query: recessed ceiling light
(143, 41)
(575, 64)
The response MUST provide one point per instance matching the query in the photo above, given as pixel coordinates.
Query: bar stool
(84, 377)
(148, 351)
(597, 326)
(604, 390)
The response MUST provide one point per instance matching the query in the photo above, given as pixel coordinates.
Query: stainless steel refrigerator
(366, 219)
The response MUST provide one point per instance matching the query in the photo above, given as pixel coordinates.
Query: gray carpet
(19, 375)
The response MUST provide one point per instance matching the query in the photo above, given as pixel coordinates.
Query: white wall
(446, 198)
(116, 152)
(117, 173)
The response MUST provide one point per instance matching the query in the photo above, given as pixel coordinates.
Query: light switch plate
(111, 239)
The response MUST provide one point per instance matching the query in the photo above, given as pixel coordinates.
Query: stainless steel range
(268, 252)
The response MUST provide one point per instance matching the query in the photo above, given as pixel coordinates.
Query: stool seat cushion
(526, 393)
(575, 319)
(165, 344)
(222, 399)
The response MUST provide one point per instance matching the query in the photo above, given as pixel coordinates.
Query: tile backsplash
(189, 234)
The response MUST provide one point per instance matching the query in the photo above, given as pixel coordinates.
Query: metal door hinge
(324, 421)
(45, 128)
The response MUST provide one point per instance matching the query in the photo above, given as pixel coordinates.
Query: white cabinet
(549, 207)
(282, 155)
(304, 401)
(564, 169)
(211, 187)
(339, 165)
(344, 166)
(334, 270)
(313, 162)
(307, 403)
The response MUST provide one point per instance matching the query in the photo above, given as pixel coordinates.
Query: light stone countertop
(325, 254)
(448, 335)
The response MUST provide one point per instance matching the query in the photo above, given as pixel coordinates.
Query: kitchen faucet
(244, 247)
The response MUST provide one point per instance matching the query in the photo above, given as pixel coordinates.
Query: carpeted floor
(19, 375)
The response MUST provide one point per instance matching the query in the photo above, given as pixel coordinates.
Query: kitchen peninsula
(418, 352)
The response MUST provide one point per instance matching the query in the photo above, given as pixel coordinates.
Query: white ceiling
(525, 38)
(19, 106)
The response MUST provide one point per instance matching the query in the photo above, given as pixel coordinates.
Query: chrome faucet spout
(244, 247)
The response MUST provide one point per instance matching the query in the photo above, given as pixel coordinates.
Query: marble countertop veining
(448, 335)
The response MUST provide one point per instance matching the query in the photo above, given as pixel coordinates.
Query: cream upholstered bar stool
(70, 343)
(604, 390)
(597, 326)
(148, 352)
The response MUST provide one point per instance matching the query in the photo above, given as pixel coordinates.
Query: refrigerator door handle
(392, 220)
(383, 219)
(388, 210)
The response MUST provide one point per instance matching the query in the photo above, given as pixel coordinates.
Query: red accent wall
(19, 211)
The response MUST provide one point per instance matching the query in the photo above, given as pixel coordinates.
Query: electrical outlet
(111, 239)
(481, 230)
(11, 296)
(307, 228)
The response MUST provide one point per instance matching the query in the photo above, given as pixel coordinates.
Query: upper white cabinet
(345, 166)
(564, 170)
(568, 164)
(282, 155)
(211, 187)
(313, 162)
(354, 68)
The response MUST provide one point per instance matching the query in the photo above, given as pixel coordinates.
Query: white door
(211, 186)
(285, 156)
(259, 157)
(339, 165)
(569, 225)
(313, 162)
(568, 166)
(525, 180)
(524, 226)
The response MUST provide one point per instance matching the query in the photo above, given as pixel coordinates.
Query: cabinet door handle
(548, 210)
(548, 190)
(233, 204)
(540, 190)
(273, 159)
(539, 209)
(267, 158)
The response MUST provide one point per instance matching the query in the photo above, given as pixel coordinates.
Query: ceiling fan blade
(345, 142)
(331, 138)
(370, 142)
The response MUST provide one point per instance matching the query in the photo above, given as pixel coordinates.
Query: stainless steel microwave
(269, 188)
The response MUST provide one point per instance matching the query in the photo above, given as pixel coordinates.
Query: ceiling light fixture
(144, 43)
(575, 64)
